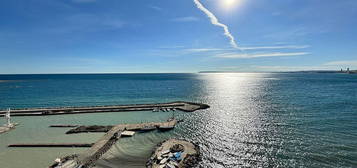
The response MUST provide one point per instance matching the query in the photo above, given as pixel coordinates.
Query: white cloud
(185, 19)
(249, 48)
(215, 21)
(258, 55)
(276, 47)
(233, 54)
(345, 63)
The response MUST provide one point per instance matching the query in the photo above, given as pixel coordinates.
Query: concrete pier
(58, 145)
(89, 157)
(180, 105)
(127, 127)
(113, 133)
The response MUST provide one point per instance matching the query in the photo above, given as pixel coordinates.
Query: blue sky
(119, 36)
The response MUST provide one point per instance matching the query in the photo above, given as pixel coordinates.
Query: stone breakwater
(174, 153)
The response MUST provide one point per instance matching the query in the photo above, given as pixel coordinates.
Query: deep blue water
(255, 119)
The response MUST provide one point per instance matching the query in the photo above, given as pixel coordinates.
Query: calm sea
(255, 119)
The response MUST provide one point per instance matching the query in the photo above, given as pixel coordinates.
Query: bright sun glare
(229, 4)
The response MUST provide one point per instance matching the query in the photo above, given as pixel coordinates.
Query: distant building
(348, 70)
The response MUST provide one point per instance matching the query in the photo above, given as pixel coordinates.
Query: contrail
(215, 21)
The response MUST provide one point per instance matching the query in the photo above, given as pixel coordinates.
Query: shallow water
(255, 119)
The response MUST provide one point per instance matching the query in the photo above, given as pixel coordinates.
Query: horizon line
(204, 71)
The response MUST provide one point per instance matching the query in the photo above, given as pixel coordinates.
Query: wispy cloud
(84, 1)
(185, 19)
(249, 48)
(206, 49)
(215, 21)
(344, 63)
(261, 51)
(172, 47)
(155, 8)
(276, 47)
(258, 55)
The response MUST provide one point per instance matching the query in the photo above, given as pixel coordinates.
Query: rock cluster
(174, 154)
(170, 158)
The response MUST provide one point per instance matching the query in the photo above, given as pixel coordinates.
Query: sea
(254, 119)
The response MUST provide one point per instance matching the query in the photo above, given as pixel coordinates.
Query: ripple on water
(255, 119)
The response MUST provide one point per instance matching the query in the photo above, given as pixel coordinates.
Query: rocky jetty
(174, 153)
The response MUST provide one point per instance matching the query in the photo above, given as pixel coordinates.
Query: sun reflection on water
(236, 121)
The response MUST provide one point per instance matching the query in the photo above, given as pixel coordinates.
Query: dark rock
(177, 148)
(191, 161)
(93, 128)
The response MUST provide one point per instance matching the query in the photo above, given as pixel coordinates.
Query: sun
(229, 4)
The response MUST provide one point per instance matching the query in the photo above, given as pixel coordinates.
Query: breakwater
(180, 105)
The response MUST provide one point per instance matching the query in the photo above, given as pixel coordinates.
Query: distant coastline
(327, 71)
(307, 71)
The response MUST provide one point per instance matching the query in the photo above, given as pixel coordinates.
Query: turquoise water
(255, 119)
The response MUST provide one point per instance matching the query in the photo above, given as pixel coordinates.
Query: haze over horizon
(94, 36)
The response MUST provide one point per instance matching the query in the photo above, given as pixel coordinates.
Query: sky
(149, 36)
